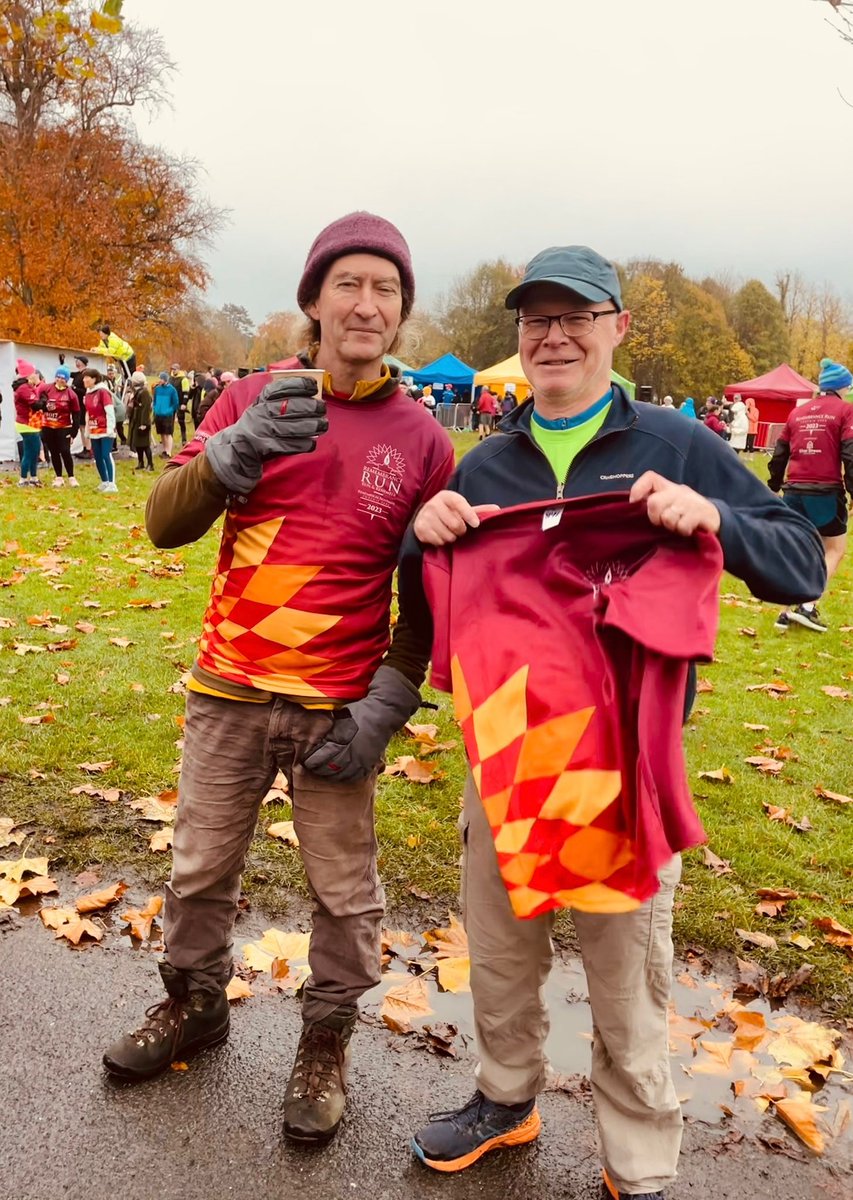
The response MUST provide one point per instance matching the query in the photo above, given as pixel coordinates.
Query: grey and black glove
(354, 745)
(286, 418)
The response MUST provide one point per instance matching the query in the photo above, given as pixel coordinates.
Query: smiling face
(569, 374)
(359, 309)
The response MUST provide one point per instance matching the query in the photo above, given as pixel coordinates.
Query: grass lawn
(72, 557)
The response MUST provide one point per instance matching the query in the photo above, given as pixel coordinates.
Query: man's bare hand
(675, 506)
(446, 517)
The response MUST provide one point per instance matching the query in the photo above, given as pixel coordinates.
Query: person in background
(688, 408)
(667, 402)
(739, 428)
(753, 417)
(182, 385)
(81, 361)
(210, 393)
(139, 406)
(712, 420)
(62, 419)
(101, 427)
(117, 348)
(29, 419)
(812, 453)
(118, 385)
(166, 404)
(487, 408)
(509, 401)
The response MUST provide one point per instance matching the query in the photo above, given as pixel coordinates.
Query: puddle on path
(705, 1085)
(705, 1081)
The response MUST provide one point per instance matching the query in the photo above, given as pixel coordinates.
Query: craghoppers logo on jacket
(381, 481)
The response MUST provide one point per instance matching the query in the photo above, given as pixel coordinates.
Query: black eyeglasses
(573, 324)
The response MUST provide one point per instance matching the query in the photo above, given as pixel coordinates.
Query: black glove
(286, 418)
(359, 734)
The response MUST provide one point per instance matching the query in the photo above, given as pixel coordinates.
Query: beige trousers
(628, 962)
(232, 751)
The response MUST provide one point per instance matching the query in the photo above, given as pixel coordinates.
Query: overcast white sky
(710, 133)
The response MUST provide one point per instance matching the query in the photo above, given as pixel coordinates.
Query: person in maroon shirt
(813, 450)
(61, 422)
(294, 671)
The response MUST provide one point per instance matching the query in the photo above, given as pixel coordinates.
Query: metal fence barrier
(454, 416)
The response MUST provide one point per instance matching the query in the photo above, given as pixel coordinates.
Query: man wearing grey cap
(580, 435)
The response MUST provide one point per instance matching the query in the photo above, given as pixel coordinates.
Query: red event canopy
(775, 393)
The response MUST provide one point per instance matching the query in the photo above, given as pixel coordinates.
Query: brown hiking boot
(179, 1026)
(316, 1091)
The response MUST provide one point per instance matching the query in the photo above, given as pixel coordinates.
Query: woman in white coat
(739, 426)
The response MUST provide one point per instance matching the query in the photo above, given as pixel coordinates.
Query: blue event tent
(447, 369)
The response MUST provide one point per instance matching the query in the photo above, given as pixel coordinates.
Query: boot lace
(319, 1063)
(457, 1115)
(162, 1020)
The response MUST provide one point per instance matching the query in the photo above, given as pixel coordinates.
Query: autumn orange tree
(95, 225)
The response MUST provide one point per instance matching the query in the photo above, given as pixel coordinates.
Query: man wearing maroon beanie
(294, 670)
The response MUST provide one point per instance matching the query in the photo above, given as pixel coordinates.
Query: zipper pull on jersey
(560, 487)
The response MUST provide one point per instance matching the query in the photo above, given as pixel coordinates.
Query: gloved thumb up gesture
(286, 418)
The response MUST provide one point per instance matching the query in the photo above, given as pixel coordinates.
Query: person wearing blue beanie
(62, 373)
(833, 376)
(813, 452)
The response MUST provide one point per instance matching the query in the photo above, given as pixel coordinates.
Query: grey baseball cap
(577, 268)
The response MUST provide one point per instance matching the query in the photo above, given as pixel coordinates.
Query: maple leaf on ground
(776, 813)
(238, 989)
(283, 831)
(438, 1039)
(85, 627)
(15, 869)
(68, 644)
(147, 603)
(450, 942)
(121, 642)
(102, 898)
(47, 718)
(454, 974)
(704, 685)
(719, 1058)
(799, 1114)
(777, 688)
(713, 862)
(767, 766)
(756, 728)
(142, 920)
(764, 940)
(721, 775)
(12, 890)
(833, 933)
(276, 945)
(22, 648)
(52, 916)
(9, 835)
(414, 769)
(96, 768)
(162, 839)
(78, 929)
(405, 1003)
(750, 1028)
(836, 797)
(837, 693)
(157, 808)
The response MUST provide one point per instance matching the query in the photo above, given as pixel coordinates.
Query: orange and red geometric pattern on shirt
(557, 827)
(250, 629)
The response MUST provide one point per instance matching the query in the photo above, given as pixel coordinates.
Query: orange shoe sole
(527, 1131)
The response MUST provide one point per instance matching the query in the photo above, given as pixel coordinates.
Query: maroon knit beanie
(357, 233)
